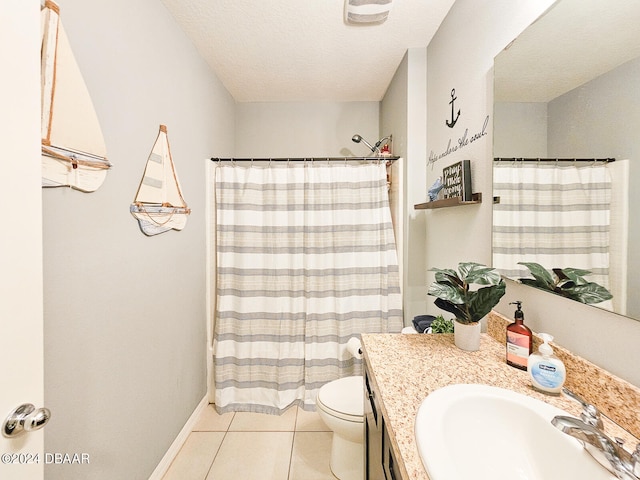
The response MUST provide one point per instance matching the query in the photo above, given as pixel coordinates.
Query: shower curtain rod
(309, 159)
(516, 159)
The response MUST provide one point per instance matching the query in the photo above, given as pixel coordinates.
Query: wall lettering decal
(462, 142)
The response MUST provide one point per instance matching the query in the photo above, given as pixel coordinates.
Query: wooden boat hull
(63, 169)
(156, 219)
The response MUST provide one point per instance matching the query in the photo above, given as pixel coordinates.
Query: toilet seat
(343, 398)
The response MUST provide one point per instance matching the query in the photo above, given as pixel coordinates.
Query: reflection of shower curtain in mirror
(554, 214)
(306, 260)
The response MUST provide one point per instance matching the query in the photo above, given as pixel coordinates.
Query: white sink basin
(481, 432)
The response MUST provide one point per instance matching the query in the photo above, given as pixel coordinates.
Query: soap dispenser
(547, 371)
(519, 340)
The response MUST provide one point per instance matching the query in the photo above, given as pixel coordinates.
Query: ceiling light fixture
(366, 12)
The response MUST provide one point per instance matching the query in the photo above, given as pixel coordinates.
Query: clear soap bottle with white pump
(547, 371)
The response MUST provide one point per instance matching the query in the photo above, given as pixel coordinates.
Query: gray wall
(304, 129)
(461, 56)
(403, 113)
(124, 313)
(520, 130)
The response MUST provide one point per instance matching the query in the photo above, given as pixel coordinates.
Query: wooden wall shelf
(449, 202)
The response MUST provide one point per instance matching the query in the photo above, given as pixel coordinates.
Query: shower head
(374, 148)
(357, 139)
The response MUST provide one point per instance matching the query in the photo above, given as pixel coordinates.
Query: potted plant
(440, 325)
(455, 295)
(568, 282)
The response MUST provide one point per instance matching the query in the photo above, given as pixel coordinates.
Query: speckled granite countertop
(406, 368)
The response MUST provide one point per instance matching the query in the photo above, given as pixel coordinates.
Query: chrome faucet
(588, 430)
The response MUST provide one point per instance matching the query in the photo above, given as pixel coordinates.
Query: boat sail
(159, 205)
(73, 148)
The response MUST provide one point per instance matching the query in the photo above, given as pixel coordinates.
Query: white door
(21, 328)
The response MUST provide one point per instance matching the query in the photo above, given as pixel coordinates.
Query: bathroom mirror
(568, 87)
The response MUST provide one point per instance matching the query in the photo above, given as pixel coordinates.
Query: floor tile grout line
(293, 441)
(219, 447)
(215, 456)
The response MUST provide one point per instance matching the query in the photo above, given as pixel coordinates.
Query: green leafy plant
(454, 293)
(440, 325)
(568, 282)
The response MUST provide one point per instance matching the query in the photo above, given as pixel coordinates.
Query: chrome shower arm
(374, 148)
(382, 140)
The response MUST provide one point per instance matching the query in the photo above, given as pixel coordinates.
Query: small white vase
(467, 336)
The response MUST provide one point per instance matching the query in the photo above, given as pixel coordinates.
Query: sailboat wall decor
(159, 205)
(73, 148)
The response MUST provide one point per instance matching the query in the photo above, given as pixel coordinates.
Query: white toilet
(341, 406)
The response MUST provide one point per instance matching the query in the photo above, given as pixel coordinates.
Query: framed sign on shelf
(456, 179)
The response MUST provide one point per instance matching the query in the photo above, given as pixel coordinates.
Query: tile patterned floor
(248, 446)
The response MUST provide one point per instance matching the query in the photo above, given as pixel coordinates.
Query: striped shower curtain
(556, 214)
(306, 260)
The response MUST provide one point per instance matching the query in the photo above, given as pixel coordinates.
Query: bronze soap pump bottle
(519, 340)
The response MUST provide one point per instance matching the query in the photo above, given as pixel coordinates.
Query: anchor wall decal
(453, 121)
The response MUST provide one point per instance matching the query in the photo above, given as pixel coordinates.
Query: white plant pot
(467, 336)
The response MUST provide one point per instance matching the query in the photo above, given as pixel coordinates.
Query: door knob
(25, 418)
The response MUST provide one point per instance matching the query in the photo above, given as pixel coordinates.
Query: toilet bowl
(340, 405)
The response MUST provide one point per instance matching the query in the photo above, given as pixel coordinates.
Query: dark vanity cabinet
(389, 464)
(380, 463)
(372, 432)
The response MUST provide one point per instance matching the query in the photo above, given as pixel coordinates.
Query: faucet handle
(590, 414)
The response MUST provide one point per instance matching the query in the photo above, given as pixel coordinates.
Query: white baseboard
(175, 447)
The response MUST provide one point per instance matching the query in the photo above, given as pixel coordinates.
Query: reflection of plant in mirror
(568, 282)
(440, 325)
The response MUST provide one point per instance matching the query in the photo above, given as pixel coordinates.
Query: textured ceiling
(301, 50)
(576, 41)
